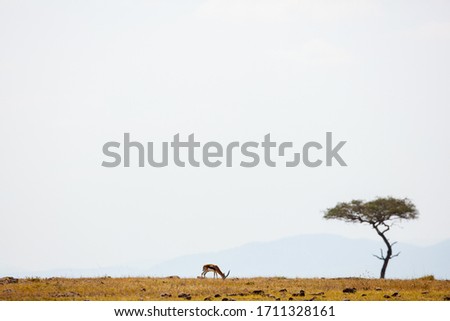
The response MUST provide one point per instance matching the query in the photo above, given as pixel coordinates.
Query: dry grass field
(255, 289)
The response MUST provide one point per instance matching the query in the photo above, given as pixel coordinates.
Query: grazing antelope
(215, 269)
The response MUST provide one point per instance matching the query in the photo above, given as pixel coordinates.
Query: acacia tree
(381, 214)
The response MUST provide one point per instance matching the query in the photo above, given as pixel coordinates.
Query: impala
(215, 269)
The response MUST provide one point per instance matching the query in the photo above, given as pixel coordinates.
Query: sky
(77, 74)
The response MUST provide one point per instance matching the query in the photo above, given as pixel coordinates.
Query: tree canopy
(376, 212)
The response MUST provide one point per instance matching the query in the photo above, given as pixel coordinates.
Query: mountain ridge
(317, 255)
(304, 256)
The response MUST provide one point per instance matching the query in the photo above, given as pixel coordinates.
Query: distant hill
(316, 256)
(305, 256)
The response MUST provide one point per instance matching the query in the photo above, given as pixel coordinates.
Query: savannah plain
(209, 289)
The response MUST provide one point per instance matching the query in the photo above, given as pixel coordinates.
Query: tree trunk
(388, 254)
(385, 264)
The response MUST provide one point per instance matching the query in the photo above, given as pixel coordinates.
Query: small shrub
(34, 279)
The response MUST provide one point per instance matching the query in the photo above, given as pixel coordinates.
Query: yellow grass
(255, 289)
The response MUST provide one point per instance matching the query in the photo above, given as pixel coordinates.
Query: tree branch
(385, 225)
(381, 257)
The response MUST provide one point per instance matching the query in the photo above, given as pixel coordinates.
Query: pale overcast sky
(77, 74)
